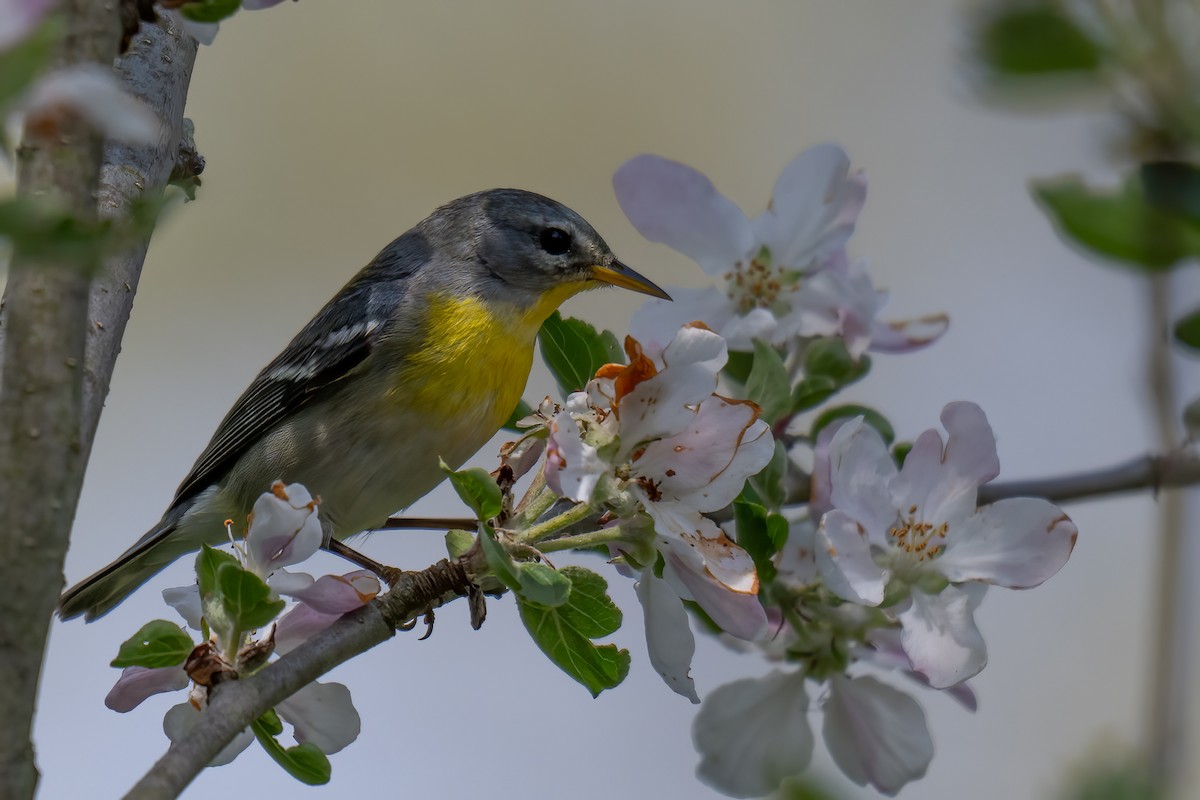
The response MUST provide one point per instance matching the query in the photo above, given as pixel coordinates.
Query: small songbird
(424, 353)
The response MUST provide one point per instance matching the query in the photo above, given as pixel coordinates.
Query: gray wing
(315, 364)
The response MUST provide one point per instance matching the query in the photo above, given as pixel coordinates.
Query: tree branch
(59, 337)
(235, 704)
(1154, 472)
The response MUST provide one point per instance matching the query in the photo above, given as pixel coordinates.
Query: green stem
(536, 502)
(590, 539)
(566, 519)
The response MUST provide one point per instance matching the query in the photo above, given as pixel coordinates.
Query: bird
(424, 353)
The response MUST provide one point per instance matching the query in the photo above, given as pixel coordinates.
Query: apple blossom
(915, 534)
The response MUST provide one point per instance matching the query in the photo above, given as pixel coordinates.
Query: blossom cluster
(813, 543)
(239, 636)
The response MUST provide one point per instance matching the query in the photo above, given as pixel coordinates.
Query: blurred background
(329, 129)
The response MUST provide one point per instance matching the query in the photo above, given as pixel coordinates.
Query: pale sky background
(330, 128)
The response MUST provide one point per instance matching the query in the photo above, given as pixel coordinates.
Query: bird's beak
(617, 274)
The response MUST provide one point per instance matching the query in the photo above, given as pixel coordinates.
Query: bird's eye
(555, 241)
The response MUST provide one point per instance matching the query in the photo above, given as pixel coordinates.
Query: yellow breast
(475, 359)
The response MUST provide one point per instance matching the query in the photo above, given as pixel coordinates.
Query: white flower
(664, 440)
(322, 603)
(782, 275)
(284, 529)
(918, 530)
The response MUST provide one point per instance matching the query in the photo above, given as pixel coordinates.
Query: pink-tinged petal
(737, 613)
(876, 734)
(138, 683)
(703, 546)
(753, 733)
(698, 346)
(944, 484)
(844, 560)
(180, 720)
(338, 594)
(814, 208)
(285, 529)
(885, 650)
(674, 204)
(835, 303)
(796, 560)
(861, 469)
(95, 94)
(300, 623)
(656, 322)
(905, 336)
(18, 18)
(669, 639)
(289, 583)
(573, 468)
(186, 601)
(1017, 543)
(939, 635)
(705, 466)
(663, 405)
(920, 478)
(524, 455)
(323, 714)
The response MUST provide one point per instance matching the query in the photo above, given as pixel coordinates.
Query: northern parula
(424, 353)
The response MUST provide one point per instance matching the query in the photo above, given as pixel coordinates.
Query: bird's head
(528, 250)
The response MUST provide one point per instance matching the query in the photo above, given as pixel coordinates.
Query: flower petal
(876, 733)
(138, 683)
(796, 561)
(705, 466)
(285, 528)
(1018, 543)
(300, 623)
(674, 204)
(814, 208)
(905, 336)
(656, 322)
(18, 18)
(669, 638)
(939, 635)
(739, 614)
(323, 714)
(179, 721)
(186, 601)
(860, 472)
(573, 468)
(844, 560)
(753, 733)
(338, 594)
(944, 484)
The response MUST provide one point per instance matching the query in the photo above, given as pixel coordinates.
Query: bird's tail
(99, 593)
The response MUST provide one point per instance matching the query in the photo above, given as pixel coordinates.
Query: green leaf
(271, 722)
(543, 585)
(519, 413)
(304, 762)
(477, 489)
(831, 359)
(1036, 41)
(1173, 187)
(458, 543)
(210, 10)
(1119, 225)
(812, 391)
(900, 451)
(1187, 330)
(208, 562)
(869, 415)
(739, 365)
(498, 560)
(156, 644)
(768, 483)
(565, 633)
(758, 536)
(246, 598)
(768, 384)
(574, 350)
